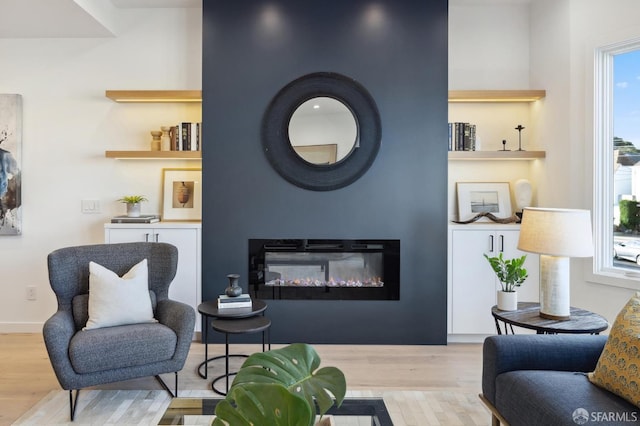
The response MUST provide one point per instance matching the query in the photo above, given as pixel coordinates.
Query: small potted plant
(512, 274)
(133, 204)
(282, 387)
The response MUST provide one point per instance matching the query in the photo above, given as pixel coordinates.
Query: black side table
(210, 310)
(256, 324)
(528, 316)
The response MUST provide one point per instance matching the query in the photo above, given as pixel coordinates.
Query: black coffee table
(373, 409)
(210, 310)
(528, 316)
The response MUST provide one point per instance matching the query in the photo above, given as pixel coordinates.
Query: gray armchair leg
(164, 385)
(73, 403)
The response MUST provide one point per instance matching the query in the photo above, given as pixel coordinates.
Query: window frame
(603, 270)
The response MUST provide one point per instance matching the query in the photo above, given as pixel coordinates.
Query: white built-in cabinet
(186, 236)
(472, 284)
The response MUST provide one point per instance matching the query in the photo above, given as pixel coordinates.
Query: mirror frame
(321, 177)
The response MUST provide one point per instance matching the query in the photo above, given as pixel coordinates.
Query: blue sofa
(532, 379)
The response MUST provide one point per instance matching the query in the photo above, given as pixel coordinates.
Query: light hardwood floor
(26, 375)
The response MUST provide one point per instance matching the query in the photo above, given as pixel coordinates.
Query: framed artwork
(10, 164)
(483, 197)
(182, 194)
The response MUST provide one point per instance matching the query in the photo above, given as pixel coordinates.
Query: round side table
(256, 324)
(209, 310)
(528, 316)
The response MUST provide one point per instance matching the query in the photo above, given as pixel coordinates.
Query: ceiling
(71, 18)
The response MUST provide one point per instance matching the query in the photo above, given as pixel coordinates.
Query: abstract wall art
(10, 164)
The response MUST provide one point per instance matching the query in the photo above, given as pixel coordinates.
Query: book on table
(228, 302)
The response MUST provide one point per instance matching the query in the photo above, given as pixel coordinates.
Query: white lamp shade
(556, 232)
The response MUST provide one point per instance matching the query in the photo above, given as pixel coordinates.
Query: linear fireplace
(324, 269)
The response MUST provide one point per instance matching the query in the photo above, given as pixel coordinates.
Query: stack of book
(152, 218)
(227, 302)
(462, 137)
(186, 136)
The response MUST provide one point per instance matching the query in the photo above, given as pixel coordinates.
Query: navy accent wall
(397, 49)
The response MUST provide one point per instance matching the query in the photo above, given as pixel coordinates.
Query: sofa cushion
(548, 398)
(618, 368)
(111, 348)
(115, 300)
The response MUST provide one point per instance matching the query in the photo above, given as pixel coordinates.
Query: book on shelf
(186, 136)
(140, 219)
(461, 136)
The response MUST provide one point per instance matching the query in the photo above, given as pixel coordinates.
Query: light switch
(90, 206)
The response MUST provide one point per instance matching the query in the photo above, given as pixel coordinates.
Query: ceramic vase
(165, 139)
(507, 300)
(234, 290)
(155, 140)
(133, 209)
(183, 194)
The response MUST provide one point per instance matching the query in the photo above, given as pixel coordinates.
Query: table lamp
(557, 235)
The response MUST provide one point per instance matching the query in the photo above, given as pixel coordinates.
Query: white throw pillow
(115, 300)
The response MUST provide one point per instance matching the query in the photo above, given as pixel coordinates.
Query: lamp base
(554, 317)
(554, 287)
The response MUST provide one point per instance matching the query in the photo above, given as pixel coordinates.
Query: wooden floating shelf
(496, 95)
(154, 155)
(496, 155)
(154, 95)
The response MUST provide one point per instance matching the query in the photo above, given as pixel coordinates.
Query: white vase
(133, 209)
(507, 300)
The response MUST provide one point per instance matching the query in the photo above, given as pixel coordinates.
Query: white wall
(67, 126)
(593, 23)
(488, 44)
(489, 49)
(564, 34)
(559, 41)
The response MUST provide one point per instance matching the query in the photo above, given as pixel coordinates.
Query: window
(617, 162)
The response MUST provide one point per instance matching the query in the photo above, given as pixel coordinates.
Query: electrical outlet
(31, 292)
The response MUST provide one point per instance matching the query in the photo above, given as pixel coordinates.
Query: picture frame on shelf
(181, 194)
(475, 198)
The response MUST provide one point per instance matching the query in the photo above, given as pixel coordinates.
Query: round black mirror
(321, 131)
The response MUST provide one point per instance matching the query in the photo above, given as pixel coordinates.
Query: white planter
(507, 301)
(133, 209)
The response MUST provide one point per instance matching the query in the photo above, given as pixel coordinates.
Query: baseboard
(466, 338)
(21, 327)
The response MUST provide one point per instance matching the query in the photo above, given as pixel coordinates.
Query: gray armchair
(83, 358)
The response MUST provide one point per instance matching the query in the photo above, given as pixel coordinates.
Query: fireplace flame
(310, 282)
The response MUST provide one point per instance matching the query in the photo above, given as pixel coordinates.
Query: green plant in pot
(133, 204)
(281, 387)
(511, 273)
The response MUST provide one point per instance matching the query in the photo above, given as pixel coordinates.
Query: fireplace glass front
(325, 269)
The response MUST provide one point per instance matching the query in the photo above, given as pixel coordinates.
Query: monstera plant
(281, 387)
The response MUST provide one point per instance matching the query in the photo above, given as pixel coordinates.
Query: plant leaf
(263, 404)
(294, 368)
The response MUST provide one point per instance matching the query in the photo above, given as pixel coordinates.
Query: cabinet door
(185, 285)
(529, 290)
(473, 282)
